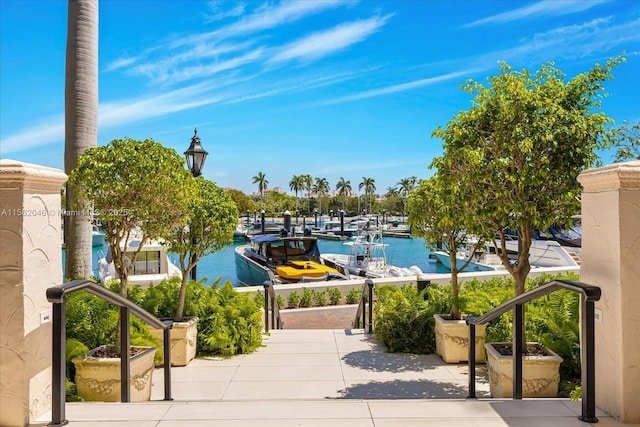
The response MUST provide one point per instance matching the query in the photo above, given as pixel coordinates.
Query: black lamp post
(196, 155)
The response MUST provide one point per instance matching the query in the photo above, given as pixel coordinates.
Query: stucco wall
(611, 260)
(30, 262)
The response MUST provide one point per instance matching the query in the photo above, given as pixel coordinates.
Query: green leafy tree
(263, 184)
(213, 217)
(521, 147)
(135, 187)
(435, 214)
(81, 126)
(626, 140)
(242, 201)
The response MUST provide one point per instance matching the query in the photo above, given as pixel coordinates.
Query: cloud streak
(323, 43)
(542, 8)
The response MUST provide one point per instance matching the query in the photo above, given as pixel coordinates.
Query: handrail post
(125, 356)
(472, 361)
(58, 395)
(587, 355)
(167, 362)
(266, 307)
(273, 309)
(516, 350)
(370, 285)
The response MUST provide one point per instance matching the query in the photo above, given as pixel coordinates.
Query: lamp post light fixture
(196, 155)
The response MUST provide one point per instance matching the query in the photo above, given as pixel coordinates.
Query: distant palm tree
(406, 186)
(308, 185)
(321, 187)
(262, 182)
(81, 126)
(369, 188)
(392, 191)
(344, 189)
(296, 184)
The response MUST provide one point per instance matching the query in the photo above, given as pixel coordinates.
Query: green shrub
(319, 298)
(259, 299)
(353, 296)
(307, 298)
(335, 296)
(280, 301)
(293, 300)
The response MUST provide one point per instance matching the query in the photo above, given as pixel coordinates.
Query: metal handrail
(589, 294)
(364, 296)
(270, 301)
(56, 296)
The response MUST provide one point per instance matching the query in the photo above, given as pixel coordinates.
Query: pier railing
(56, 295)
(366, 301)
(588, 295)
(271, 306)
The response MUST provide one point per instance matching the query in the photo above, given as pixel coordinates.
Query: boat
(483, 259)
(337, 228)
(97, 236)
(151, 267)
(542, 253)
(282, 258)
(367, 258)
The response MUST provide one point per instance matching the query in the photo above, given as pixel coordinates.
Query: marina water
(401, 252)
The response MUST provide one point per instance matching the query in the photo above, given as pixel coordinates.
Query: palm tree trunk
(81, 120)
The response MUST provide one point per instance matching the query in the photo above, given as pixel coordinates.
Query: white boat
(367, 258)
(334, 227)
(151, 267)
(542, 253)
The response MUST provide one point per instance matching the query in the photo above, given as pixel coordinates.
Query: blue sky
(333, 89)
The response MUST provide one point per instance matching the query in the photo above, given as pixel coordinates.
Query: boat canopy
(265, 238)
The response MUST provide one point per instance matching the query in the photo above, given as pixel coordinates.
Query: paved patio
(330, 377)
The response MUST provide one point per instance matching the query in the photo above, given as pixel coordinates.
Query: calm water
(400, 252)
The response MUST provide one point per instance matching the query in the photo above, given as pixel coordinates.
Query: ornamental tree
(435, 214)
(212, 220)
(136, 187)
(521, 146)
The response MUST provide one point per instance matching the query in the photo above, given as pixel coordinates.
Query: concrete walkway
(339, 377)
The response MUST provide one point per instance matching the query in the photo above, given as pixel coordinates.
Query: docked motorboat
(480, 259)
(151, 266)
(282, 259)
(337, 228)
(367, 258)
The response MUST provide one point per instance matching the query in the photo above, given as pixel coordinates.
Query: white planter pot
(452, 340)
(98, 378)
(540, 374)
(184, 338)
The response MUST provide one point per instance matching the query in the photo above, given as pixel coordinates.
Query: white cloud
(323, 43)
(387, 90)
(542, 8)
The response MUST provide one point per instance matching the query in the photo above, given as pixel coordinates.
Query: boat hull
(443, 258)
(249, 272)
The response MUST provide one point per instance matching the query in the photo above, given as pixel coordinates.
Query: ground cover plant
(403, 318)
(230, 322)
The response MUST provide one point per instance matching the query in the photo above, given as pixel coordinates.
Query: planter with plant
(212, 219)
(115, 180)
(435, 215)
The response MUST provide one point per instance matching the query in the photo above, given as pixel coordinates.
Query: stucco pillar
(30, 262)
(611, 260)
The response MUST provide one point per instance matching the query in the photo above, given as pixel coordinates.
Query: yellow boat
(297, 271)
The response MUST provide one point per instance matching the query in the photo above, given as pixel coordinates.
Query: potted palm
(435, 215)
(115, 180)
(212, 220)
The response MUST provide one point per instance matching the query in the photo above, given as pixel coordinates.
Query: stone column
(30, 262)
(611, 260)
